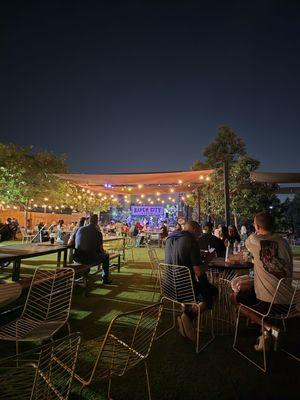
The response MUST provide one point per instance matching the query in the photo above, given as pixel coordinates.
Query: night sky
(136, 86)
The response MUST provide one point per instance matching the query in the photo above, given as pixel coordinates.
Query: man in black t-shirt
(182, 249)
(89, 247)
(208, 240)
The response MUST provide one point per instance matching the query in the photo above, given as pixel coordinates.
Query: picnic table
(17, 252)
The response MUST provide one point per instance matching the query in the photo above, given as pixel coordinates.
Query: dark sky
(137, 86)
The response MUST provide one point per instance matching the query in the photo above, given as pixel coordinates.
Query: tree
(26, 175)
(247, 197)
(227, 146)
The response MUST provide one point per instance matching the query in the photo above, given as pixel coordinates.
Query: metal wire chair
(46, 308)
(279, 310)
(44, 373)
(177, 287)
(154, 262)
(129, 245)
(126, 343)
(224, 312)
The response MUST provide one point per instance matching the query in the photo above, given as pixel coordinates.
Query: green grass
(176, 371)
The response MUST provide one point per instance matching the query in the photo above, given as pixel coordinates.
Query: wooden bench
(82, 271)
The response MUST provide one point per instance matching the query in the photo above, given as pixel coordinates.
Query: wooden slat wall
(37, 217)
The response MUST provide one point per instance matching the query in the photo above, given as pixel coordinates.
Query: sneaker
(265, 340)
(186, 328)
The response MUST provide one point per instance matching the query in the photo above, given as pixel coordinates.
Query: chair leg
(109, 390)
(198, 329)
(148, 381)
(173, 323)
(262, 368)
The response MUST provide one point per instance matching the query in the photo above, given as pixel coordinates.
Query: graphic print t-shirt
(272, 261)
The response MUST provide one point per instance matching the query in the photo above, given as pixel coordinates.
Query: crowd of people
(272, 260)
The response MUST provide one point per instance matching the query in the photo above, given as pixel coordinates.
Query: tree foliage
(26, 175)
(227, 146)
(246, 197)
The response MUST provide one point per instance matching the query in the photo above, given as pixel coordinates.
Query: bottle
(235, 247)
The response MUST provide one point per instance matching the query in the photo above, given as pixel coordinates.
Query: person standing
(89, 247)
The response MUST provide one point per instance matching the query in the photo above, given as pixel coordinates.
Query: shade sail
(276, 177)
(147, 183)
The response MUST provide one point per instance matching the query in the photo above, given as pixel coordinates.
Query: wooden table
(18, 252)
(107, 239)
(115, 238)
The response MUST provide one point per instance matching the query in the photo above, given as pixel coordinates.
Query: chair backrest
(50, 294)
(153, 259)
(286, 300)
(127, 342)
(41, 374)
(176, 283)
(129, 242)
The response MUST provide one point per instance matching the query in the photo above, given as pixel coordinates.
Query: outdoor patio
(217, 373)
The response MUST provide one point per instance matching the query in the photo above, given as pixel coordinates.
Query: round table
(221, 273)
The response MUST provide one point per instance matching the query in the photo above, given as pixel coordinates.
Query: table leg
(65, 257)
(71, 251)
(16, 270)
(58, 259)
(124, 249)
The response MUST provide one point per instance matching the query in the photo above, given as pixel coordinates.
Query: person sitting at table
(233, 235)
(71, 241)
(60, 231)
(224, 235)
(272, 261)
(182, 249)
(89, 247)
(111, 228)
(208, 241)
(163, 233)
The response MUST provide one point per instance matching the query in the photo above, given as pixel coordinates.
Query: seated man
(208, 240)
(89, 247)
(272, 261)
(182, 249)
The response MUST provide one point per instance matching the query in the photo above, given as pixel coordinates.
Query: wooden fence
(37, 217)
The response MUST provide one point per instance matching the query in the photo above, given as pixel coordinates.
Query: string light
(140, 186)
(201, 177)
(172, 190)
(180, 181)
(208, 178)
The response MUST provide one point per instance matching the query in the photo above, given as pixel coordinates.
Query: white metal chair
(287, 288)
(177, 287)
(129, 245)
(26, 237)
(43, 373)
(126, 343)
(46, 308)
(154, 262)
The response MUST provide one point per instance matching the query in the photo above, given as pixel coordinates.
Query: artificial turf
(176, 371)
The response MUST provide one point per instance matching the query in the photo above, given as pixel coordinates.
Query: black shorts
(248, 298)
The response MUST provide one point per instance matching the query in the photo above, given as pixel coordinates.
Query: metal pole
(199, 205)
(226, 194)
